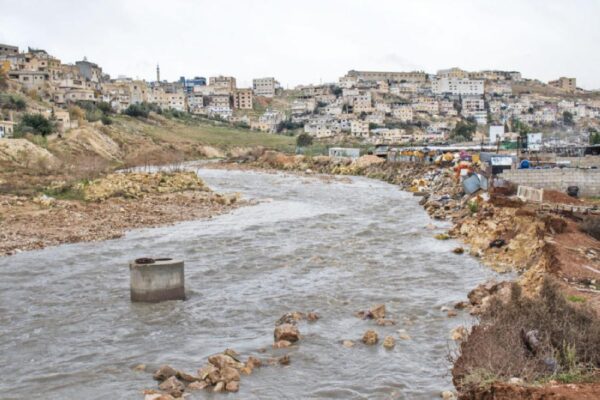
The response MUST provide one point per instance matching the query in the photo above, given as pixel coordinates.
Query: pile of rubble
(134, 185)
(222, 373)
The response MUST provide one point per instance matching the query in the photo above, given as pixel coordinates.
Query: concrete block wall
(585, 162)
(559, 179)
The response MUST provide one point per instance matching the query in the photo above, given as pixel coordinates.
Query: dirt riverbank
(106, 208)
(507, 235)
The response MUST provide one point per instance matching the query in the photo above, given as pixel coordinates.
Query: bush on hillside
(106, 120)
(36, 124)
(568, 341)
(12, 102)
(303, 140)
(141, 110)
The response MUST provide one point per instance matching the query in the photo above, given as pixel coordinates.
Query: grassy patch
(576, 299)
(217, 134)
(480, 378)
(67, 192)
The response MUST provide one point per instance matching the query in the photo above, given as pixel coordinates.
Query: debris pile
(134, 185)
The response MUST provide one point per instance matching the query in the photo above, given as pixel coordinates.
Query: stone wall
(559, 179)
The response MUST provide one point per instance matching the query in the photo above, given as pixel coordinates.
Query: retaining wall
(559, 179)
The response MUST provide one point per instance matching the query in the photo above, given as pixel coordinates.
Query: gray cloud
(312, 41)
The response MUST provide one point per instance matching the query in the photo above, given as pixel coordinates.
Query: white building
(265, 87)
(496, 133)
(457, 86)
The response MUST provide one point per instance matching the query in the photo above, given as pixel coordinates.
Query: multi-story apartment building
(359, 128)
(222, 84)
(472, 104)
(219, 101)
(363, 103)
(447, 108)
(265, 87)
(426, 104)
(404, 113)
(457, 86)
(242, 99)
(269, 121)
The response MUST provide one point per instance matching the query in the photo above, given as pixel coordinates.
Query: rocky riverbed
(105, 208)
(339, 247)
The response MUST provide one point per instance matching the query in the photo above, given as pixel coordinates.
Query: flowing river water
(69, 331)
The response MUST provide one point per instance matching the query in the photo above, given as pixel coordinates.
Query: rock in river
(164, 373)
(287, 332)
(172, 386)
(370, 337)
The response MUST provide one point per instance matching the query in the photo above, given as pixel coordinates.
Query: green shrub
(11, 102)
(303, 140)
(36, 124)
(141, 110)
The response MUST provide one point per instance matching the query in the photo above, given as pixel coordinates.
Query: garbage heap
(134, 185)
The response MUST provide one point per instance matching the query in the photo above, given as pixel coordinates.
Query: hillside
(31, 163)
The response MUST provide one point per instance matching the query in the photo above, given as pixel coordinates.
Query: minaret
(157, 73)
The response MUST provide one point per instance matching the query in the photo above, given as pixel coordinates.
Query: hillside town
(400, 108)
(432, 235)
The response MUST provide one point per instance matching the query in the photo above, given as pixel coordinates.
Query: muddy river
(69, 331)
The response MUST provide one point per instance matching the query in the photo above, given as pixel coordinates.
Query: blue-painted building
(189, 84)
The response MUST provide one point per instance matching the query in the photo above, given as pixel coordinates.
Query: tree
(303, 140)
(567, 118)
(594, 136)
(36, 124)
(105, 107)
(463, 131)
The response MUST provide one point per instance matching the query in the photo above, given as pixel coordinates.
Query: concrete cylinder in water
(155, 280)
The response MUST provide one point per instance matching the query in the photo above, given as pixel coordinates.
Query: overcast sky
(312, 41)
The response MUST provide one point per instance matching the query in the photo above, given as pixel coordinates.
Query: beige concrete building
(568, 84)
(414, 76)
(219, 101)
(363, 103)
(359, 128)
(453, 73)
(242, 99)
(222, 84)
(30, 79)
(403, 113)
